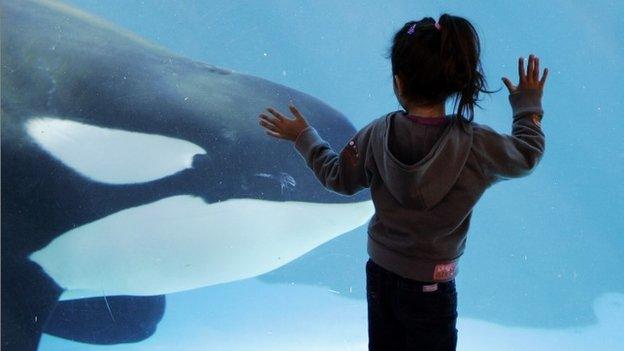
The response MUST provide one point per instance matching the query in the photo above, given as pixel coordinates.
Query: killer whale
(129, 170)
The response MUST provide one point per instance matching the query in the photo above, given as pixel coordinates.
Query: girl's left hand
(279, 126)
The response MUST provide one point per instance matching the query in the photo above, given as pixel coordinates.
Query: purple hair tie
(410, 31)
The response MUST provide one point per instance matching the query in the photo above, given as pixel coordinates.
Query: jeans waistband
(406, 283)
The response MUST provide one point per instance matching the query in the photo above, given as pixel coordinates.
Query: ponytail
(460, 50)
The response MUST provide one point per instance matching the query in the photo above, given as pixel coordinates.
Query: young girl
(426, 170)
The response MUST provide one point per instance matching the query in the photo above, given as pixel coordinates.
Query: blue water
(543, 263)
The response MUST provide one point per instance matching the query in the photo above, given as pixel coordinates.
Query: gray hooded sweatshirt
(425, 179)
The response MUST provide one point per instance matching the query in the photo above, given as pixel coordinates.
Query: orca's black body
(59, 62)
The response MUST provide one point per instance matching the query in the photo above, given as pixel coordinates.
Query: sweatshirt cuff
(307, 139)
(526, 101)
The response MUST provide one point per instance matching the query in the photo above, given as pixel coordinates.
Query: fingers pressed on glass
(276, 113)
(536, 69)
(509, 84)
(272, 128)
(267, 125)
(543, 81)
(295, 111)
(270, 119)
(273, 134)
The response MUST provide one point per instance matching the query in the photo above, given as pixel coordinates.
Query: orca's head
(230, 197)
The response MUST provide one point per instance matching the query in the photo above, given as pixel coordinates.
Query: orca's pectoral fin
(28, 297)
(107, 320)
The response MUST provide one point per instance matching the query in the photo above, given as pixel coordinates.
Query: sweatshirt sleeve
(503, 156)
(345, 173)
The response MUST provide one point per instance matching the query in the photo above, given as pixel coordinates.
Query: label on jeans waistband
(430, 288)
(444, 271)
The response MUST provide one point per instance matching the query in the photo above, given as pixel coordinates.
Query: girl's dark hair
(435, 64)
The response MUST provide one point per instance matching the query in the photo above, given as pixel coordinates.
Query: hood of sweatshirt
(424, 184)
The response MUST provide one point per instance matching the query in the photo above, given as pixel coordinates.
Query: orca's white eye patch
(112, 155)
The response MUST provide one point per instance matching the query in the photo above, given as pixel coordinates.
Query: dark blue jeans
(404, 315)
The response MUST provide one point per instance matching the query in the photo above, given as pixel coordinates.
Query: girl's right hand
(530, 80)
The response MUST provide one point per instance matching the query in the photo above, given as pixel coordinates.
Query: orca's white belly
(181, 243)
